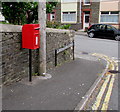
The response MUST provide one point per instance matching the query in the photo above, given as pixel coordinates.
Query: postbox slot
(37, 28)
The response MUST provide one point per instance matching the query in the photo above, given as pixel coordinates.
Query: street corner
(101, 94)
(112, 63)
(86, 56)
(92, 57)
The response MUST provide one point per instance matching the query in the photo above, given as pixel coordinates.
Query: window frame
(84, 3)
(110, 13)
(64, 21)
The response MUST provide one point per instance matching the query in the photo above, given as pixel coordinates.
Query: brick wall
(15, 63)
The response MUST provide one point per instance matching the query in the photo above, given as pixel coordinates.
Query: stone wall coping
(18, 28)
(58, 30)
(10, 28)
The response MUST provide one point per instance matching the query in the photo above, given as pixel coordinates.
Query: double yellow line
(110, 78)
(107, 98)
(100, 95)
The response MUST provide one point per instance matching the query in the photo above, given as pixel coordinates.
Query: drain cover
(84, 53)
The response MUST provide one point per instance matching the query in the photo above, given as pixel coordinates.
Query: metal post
(30, 65)
(55, 57)
(73, 50)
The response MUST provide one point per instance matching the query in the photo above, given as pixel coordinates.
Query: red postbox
(30, 36)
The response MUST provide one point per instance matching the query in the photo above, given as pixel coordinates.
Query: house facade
(79, 13)
(110, 12)
(55, 15)
(90, 13)
(83, 13)
(71, 13)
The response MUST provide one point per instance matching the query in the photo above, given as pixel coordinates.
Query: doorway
(86, 20)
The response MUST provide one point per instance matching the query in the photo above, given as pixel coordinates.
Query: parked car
(104, 31)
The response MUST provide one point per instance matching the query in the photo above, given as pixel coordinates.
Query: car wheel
(91, 34)
(117, 38)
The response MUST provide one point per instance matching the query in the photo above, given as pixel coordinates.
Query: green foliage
(35, 74)
(3, 22)
(65, 26)
(50, 6)
(53, 24)
(19, 12)
(23, 12)
(57, 25)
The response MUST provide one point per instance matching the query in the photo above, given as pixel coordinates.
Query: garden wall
(15, 60)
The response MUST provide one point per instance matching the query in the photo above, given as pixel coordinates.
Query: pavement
(63, 91)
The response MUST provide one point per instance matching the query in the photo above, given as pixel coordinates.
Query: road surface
(110, 48)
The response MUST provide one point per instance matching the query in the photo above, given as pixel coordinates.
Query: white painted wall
(69, 6)
(109, 5)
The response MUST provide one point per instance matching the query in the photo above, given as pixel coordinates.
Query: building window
(69, 17)
(86, 2)
(52, 16)
(109, 17)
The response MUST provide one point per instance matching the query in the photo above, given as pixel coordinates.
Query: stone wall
(15, 60)
(76, 26)
(58, 12)
(95, 6)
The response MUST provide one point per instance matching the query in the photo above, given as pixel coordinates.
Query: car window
(102, 27)
(109, 28)
(97, 26)
(92, 27)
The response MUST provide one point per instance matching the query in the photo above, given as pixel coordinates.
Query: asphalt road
(95, 45)
(85, 45)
